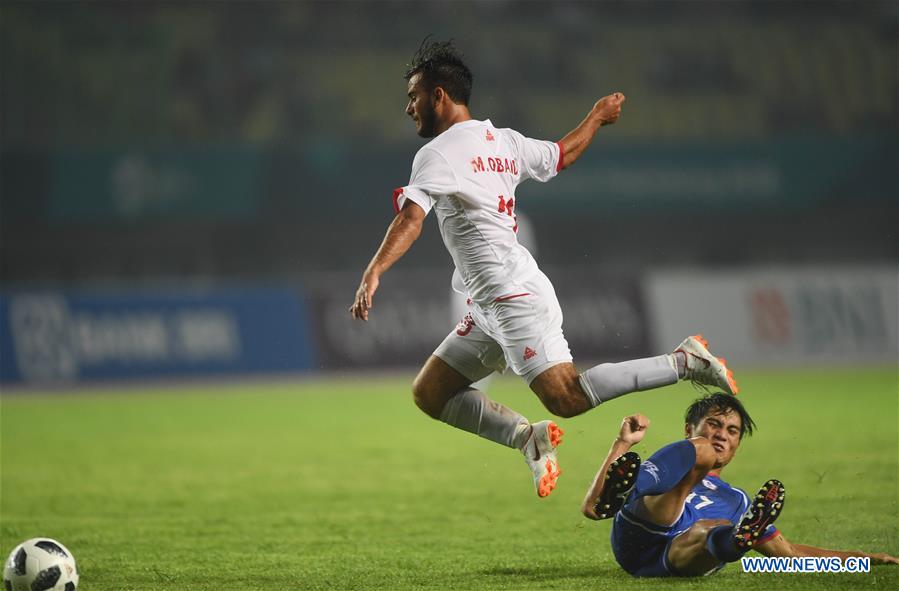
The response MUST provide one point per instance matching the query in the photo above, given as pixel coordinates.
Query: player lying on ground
(674, 516)
(468, 174)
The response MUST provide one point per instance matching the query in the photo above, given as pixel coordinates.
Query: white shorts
(522, 331)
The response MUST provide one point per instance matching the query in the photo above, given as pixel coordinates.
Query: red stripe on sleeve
(561, 157)
(509, 297)
(396, 199)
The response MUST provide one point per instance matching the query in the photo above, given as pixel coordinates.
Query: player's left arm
(780, 546)
(606, 111)
(633, 428)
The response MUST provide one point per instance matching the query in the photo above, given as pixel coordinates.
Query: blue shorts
(640, 548)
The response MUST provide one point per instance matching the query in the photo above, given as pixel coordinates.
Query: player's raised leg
(661, 484)
(444, 393)
(667, 478)
(566, 393)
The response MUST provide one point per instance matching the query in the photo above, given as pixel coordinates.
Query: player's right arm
(431, 177)
(403, 231)
(633, 428)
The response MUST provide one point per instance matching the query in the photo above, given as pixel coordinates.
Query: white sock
(471, 411)
(611, 380)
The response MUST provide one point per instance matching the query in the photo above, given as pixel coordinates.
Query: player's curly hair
(440, 64)
(719, 403)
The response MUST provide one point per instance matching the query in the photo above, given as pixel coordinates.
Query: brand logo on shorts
(489, 136)
(529, 353)
(465, 325)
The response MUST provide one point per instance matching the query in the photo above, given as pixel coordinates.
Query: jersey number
(705, 500)
(508, 207)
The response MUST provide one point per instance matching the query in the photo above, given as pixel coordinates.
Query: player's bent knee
(702, 527)
(425, 400)
(706, 457)
(560, 392)
(695, 537)
(424, 396)
(562, 406)
(688, 554)
(435, 384)
(699, 531)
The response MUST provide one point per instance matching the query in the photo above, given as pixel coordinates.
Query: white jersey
(468, 175)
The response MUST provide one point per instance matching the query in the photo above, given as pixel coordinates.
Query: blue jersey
(641, 547)
(714, 499)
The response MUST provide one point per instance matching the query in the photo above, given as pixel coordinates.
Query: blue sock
(665, 468)
(720, 543)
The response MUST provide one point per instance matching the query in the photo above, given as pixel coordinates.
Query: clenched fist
(608, 108)
(633, 428)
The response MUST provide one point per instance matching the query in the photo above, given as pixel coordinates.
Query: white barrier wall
(780, 315)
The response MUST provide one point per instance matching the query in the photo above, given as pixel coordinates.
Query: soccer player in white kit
(468, 174)
(460, 303)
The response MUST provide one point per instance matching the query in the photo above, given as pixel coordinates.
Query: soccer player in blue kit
(674, 515)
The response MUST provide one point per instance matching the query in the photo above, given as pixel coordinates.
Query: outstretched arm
(633, 428)
(779, 546)
(402, 232)
(606, 111)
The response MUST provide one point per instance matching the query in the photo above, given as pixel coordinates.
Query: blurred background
(193, 188)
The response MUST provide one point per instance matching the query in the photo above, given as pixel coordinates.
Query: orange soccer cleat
(540, 454)
(705, 369)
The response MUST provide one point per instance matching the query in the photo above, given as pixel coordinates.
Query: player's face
(420, 107)
(723, 430)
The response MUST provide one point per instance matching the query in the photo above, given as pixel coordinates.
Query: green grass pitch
(344, 484)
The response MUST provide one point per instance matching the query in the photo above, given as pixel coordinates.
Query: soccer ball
(40, 564)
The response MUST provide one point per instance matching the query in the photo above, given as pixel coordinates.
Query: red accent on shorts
(396, 199)
(465, 325)
(529, 353)
(561, 157)
(509, 297)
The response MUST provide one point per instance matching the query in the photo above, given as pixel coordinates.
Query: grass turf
(344, 484)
